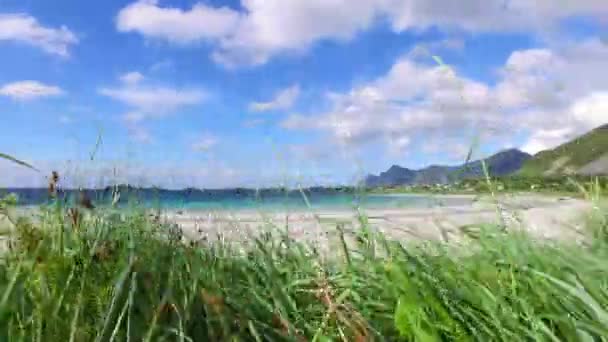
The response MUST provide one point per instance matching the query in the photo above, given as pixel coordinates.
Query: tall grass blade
(17, 161)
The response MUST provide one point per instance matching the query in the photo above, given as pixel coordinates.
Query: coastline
(547, 217)
(542, 216)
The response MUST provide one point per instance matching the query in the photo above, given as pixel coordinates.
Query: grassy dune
(121, 276)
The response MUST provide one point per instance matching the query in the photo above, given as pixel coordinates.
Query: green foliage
(516, 183)
(120, 276)
(7, 202)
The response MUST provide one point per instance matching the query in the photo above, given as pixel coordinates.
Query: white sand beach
(543, 216)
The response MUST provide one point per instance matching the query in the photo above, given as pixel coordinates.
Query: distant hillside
(500, 164)
(585, 155)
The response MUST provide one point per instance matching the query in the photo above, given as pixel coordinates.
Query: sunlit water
(234, 200)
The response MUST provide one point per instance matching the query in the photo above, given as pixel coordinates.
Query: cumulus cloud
(205, 143)
(592, 110)
(175, 25)
(580, 116)
(264, 28)
(149, 101)
(23, 28)
(411, 97)
(550, 95)
(426, 50)
(546, 138)
(557, 87)
(29, 90)
(132, 77)
(275, 26)
(284, 99)
(153, 101)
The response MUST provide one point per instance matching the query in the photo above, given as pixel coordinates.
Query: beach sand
(542, 216)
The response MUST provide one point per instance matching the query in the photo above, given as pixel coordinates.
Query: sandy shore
(544, 217)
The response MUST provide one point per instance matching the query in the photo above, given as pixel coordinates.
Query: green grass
(117, 276)
(556, 185)
(578, 153)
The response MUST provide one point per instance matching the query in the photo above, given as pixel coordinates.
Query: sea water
(244, 199)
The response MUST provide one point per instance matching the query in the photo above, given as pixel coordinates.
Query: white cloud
(557, 87)
(284, 99)
(398, 144)
(265, 28)
(591, 111)
(529, 77)
(411, 99)
(539, 92)
(17, 176)
(152, 101)
(26, 29)
(488, 15)
(429, 49)
(147, 101)
(544, 139)
(175, 25)
(132, 77)
(29, 90)
(205, 143)
(102, 173)
(275, 26)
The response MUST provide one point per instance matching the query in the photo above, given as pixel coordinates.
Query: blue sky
(259, 92)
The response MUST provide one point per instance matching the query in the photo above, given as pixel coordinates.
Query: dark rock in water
(501, 164)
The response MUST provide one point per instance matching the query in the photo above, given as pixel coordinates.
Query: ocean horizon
(238, 199)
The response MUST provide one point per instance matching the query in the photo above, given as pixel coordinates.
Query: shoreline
(541, 216)
(548, 217)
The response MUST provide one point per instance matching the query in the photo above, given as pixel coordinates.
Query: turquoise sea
(319, 202)
(245, 199)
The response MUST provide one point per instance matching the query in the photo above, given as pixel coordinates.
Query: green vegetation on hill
(570, 157)
(550, 184)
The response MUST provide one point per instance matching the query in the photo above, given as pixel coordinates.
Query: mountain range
(500, 164)
(585, 155)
